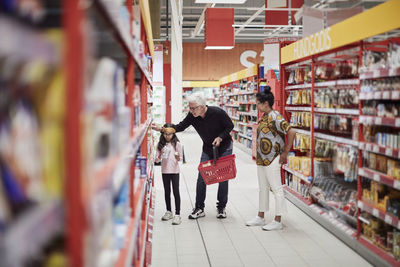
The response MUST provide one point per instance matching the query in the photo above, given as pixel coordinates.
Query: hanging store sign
(377, 20)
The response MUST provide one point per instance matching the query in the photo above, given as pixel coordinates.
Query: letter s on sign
(245, 55)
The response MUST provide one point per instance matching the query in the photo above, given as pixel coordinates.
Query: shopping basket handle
(215, 154)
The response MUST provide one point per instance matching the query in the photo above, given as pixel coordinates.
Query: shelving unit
(83, 183)
(237, 98)
(127, 175)
(371, 143)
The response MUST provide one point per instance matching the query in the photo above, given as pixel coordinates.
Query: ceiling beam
(255, 15)
(200, 22)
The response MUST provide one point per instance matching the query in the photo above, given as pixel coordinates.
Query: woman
(271, 153)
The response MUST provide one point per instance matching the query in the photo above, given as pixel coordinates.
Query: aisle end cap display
(362, 26)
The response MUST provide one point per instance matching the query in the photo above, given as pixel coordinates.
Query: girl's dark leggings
(167, 179)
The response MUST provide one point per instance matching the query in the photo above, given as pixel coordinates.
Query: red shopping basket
(220, 170)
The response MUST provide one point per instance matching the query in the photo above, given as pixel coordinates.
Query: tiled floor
(212, 242)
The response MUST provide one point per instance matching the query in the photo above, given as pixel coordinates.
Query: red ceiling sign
(218, 29)
(273, 17)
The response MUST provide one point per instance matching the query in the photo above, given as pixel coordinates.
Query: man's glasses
(193, 108)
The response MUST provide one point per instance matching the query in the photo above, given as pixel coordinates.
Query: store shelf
(386, 95)
(232, 105)
(301, 131)
(324, 84)
(340, 230)
(371, 120)
(379, 73)
(30, 232)
(125, 256)
(243, 148)
(110, 10)
(247, 92)
(247, 113)
(338, 83)
(342, 111)
(296, 195)
(246, 103)
(388, 151)
(389, 259)
(308, 109)
(298, 86)
(245, 124)
(116, 169)
(232, 94)
(245, 136)
(387, 218)
(306, 179)
(336, 139)
(379, 177)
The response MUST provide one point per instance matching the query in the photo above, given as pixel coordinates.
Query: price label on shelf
(376, 149)
(388, 219)
(376, 177)
(386, 95)
(378, 120)
(377, 73)
(395, 94)
(392, 72)
(397, 123)
(375, 212)
(396, 184)
(368, 147)
(377, 95)
(360, 204)
(369, 120)
(389, 152)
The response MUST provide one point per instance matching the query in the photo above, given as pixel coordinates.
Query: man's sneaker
(257, 221)
(176, 220)
(197, 213)
(274, 225)
(221, 213)
(167, 216)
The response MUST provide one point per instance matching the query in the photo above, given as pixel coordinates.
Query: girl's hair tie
(168, 130)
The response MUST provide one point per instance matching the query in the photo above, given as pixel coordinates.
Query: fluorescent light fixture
(220, 1)
(218, 47)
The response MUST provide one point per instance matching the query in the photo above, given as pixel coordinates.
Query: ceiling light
(218, 47)
(220, 1)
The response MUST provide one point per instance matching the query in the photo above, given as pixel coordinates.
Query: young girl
(169, 152)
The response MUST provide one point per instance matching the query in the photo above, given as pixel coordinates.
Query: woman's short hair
(197, 98)
(266, 96)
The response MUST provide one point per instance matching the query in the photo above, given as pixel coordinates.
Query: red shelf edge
(378, 251)
(300, 197)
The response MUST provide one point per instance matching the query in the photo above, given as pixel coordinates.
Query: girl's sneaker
(177, 220)
(167, 216)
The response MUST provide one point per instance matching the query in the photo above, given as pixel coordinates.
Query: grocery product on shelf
(238, 100)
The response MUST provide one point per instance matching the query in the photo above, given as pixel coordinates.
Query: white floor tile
(212, 242)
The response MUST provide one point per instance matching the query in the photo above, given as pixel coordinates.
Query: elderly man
(213, 126)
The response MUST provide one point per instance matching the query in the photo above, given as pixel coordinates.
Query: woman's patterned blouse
(271, 132)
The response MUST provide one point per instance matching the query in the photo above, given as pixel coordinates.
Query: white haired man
(213, 126)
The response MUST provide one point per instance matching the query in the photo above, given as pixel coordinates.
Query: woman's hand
(155, 127)
(283, 158)
(177, 156)
(217, 141)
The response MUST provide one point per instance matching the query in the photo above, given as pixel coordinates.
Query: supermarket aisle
(213, 242)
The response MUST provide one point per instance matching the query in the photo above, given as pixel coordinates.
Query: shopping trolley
(218, 169)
